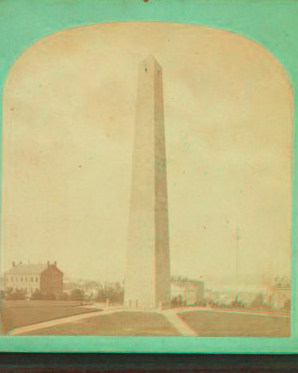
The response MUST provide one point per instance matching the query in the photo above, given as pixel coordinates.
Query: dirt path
(178, 323)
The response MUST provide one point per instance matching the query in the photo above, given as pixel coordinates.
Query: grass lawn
(224, 324)
(118, 323)
(22, 313)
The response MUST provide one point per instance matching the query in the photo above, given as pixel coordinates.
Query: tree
(115, 296)
(77, 294)
(258, 301)
(100, 296)
(237, 303)
(37, 295)
(17, 295)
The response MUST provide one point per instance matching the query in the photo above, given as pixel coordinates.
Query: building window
(12, 279)
(17, 279)
(31, 279)
(36, 279)
(21, 279)
(26, 279)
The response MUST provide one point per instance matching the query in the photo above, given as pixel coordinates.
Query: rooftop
(27, 269)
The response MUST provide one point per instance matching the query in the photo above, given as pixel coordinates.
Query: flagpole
(237, 260)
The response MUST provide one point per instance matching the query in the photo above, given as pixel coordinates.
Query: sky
(68, 125)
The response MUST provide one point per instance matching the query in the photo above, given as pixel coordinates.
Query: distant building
(281, 293)
(47, 278)
(280, 298)
(186, 292)
(116, 286)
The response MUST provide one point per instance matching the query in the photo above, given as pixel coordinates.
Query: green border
(271, 23)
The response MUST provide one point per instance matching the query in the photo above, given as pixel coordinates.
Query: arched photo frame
(271, 25)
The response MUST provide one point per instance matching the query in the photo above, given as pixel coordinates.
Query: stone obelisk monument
(147, 283)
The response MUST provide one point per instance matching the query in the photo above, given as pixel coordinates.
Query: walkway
(178, 323)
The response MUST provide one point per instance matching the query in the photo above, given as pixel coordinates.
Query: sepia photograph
(148, 177)
(146, 185)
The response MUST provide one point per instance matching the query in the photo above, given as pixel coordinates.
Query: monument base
(136, 305)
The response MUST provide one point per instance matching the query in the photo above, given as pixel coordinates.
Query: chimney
(48, 264)
(55, 263)
(13, 263)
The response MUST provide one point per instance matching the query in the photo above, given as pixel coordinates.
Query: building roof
(26, 269)
(197, 282)
(184, 285)
(52, 267)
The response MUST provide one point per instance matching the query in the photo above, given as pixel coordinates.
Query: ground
(228, 324)
(120, 323)
(51, 318)
(21, 313)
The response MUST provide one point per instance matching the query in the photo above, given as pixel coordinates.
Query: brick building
(47, 278)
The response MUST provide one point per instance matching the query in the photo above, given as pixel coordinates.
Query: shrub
(258, 301)
(111, 294)
(116, 296)
(201, 302)
(100, 296)
(37, 295)
(17, 295)
(266, 306)
(237, 303)
(77, 294)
